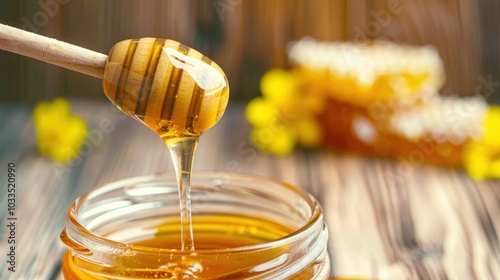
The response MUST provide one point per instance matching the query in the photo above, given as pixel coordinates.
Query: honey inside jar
(212, 232)
(219, 232)
(246, 227)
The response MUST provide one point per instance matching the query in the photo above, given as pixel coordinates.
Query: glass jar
(245, 227)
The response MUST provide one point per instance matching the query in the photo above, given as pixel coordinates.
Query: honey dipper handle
(52, 51)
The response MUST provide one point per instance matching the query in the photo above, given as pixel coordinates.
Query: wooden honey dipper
(176, 91)
(173, 89)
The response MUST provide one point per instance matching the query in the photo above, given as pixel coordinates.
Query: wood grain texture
(387, 220)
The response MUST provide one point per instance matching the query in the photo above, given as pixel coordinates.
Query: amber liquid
(214, 234)
(218, 232)
(175, 91)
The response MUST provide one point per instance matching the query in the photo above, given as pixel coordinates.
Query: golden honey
(341, 126)
(219, 232)
(244, 227)
(212, 232)
(173, 89)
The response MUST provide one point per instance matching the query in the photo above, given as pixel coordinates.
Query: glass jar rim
(73, 225)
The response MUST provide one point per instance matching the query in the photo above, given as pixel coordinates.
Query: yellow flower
(283, 116)
(259, 112)
(310, 133)
(278, 86)
(60, 134)
(482, 158)
(278, 142)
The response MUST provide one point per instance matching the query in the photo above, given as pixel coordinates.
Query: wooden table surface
(387, 220)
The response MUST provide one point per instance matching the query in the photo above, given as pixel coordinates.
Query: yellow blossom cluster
(482, 157)
(60, 134)
(284, 116)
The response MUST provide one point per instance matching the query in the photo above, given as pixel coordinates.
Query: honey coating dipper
(173, 89)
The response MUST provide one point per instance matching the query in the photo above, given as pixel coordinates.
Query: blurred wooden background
(248, 37)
